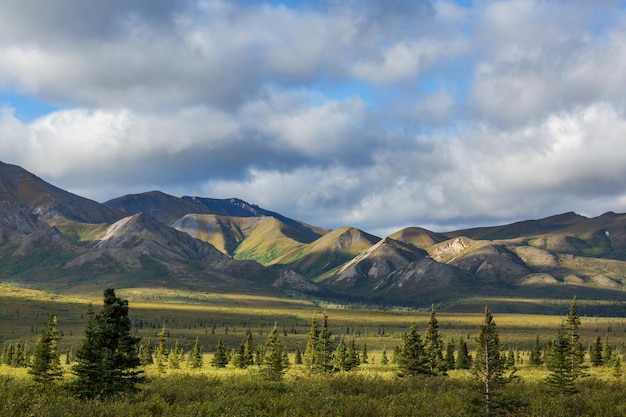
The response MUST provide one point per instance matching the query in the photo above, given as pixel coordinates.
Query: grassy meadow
(372, 390)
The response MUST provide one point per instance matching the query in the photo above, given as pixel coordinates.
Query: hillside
(54, 240)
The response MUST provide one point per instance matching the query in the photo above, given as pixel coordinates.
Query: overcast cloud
(377, 114)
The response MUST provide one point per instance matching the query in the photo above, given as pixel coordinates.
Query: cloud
(377, 114)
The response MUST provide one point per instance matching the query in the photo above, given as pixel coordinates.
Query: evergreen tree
(352, 357)
(595, 355)
(309, 357)
(364, 355)
(274, 364)
(174, 357)
(559, 363)
(535, 353)
(413, 358)
(617, 367)
(46, 366)
(339, 358)
(607, 351)
(383, 359)
(108, 357)
(324, 351)
(463, 358)
(160, 355)
(577, 352)
(433, 345)
(145, 354)
(195, 356)
(489, 366)
(220, 360)
(247, 358)
(449, 361)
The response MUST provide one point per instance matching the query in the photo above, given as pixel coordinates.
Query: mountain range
(57, 241)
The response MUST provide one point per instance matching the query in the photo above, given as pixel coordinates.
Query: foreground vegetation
(321, 385)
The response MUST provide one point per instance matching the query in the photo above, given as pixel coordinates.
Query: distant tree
(489, 367)
(195, 356)
(535, 358)
(248, 351)
(46, 365)
(364, 355)
(339, 358)
(433, 345)
(449, 361)
(463, 358)
(352, 357)
(145, 354)
(160, 355)
(595, 356)
(310, 356)
(383, 358)
(413, 359)
(174, 357)
(274, 363)
(324, 351)
(617, 367)
(220, 360)
(577, 352)
(108, 357)
(607, 351)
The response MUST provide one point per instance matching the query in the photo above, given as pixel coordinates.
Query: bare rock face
(450, 249)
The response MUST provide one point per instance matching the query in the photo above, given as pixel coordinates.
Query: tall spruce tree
(310, 358)
(352, 357)
(559, 362)
(413, 359)
(433, 345)
(46, 365)
(160, 355)
(195, 356)
(449, 360)
(577, 351)
(274, 361)
(220, 359)
(535, 358)
(324, 351)
(339, 358)
(489, 367)
(463, 358)
(595, 355)
(108, 357)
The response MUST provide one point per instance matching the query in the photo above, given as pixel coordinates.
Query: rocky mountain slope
(53, 239)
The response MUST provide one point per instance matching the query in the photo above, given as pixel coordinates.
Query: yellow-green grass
(209, 317)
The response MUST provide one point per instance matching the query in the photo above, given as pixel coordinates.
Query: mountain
(55, 240)
(168, 209)
(19, 188)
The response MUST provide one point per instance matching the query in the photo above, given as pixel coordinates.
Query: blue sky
(375, 114)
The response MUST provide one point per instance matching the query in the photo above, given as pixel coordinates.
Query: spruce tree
(364, 355)
(449, 361)
(310, 356)
(577, 352)
(298, 357)
(46, 366)
(274, 364)
(535, 358)
(324, 351)
(463, 358)
(489, 367)
(595, 355)
(559, 363)
(352, 357)
(220, 360)
(195, 356)
(160, 355)
(108, 357)
(433, 345)
(607, 351)
(339, 358)
(383, 358)
(413, 358)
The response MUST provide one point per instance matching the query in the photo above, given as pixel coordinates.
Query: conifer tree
(310, 356)
(413, 358)
(108, 358)
(145, 354)
(617, 367)
(535, 358)
(449, 361)
(383, 358)
(463, 358)
(489, 367)
(559, 362)
(174, 356)
(274, 364)
(46, 366)
(248, 351)
(352, 357)
(160, 355)
(324, 351)
(607, 351)
(577, 352)
(220, 360)
(195, 356)
(595, 355)
(339, 358)
(298, 357)
(364, 355)
(433, 345)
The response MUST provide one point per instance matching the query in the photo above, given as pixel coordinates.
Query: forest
(338, 370)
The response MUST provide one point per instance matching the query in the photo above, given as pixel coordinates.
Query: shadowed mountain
(47, 202)
(167, 209)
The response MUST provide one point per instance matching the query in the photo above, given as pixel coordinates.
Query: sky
(378, 114)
